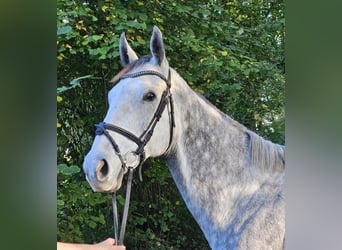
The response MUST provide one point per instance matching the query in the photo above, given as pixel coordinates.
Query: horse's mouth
(107, 185)
(118, 183)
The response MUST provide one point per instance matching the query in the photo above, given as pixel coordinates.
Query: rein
(141, 141)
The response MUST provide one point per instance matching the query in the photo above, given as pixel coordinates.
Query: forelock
(141, 61)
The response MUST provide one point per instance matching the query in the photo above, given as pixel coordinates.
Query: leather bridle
(103, 128)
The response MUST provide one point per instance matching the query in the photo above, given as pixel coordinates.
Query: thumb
(110, 241)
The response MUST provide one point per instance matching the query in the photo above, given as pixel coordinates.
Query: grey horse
(231, 179)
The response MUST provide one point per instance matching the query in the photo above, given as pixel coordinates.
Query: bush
(231, 52)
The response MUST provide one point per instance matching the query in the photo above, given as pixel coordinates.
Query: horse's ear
(157, 46)
(127, 54)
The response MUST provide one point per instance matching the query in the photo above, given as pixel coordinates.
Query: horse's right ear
(127, 54)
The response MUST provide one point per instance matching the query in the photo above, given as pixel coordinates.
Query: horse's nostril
(102, 170)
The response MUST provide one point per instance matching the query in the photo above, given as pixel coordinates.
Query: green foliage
(80, 211)
(67, 170)
(73, 84)
(232, 52)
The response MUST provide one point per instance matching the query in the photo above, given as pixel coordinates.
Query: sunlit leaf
(64, 30)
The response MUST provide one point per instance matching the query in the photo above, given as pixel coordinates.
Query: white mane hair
(265, 154)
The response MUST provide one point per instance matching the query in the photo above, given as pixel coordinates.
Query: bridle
(103, 128)
(143, 139)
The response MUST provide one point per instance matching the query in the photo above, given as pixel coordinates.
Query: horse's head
(139, 121)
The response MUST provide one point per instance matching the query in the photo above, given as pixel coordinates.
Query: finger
(111, 241)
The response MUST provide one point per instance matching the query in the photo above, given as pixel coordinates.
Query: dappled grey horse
(230, 178)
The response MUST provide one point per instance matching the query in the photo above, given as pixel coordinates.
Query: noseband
(103, 128)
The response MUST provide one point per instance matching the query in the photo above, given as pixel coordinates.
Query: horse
(231, 179)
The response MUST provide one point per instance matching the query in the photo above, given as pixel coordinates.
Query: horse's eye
(150, 96)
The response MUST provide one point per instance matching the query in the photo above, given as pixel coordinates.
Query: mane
(142, 60)
(264, 154)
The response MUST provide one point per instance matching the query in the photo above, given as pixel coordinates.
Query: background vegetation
(232, 52)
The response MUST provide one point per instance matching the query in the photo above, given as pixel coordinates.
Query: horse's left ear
(157, 46)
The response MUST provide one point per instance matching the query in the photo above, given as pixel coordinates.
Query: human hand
(108, 244)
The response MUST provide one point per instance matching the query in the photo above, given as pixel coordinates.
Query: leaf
(246, 72)
(64, 169)
(60, 56)
(236, 86)
(92, 224)
(64, 30)
(76, 81)
(60, 203)
(240, 31)
(101, 219)
(150, 234)
(120, 199)
(164, 227)
(96, 37)
(104, 8)
(257, 117)
(158, 20)
(224, 53)
(62, 89)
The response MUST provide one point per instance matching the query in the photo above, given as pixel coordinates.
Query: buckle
(131, 159)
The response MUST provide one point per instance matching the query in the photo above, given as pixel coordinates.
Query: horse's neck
(210, 163)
